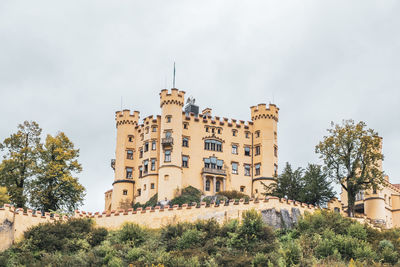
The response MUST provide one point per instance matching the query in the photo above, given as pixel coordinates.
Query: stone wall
(279, 213)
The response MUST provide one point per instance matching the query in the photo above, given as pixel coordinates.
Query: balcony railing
(168, 141)
(113, 164)
(214, 171)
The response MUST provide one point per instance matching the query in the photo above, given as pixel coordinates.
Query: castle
(183, 147)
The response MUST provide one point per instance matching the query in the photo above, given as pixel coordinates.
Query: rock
(272, 218)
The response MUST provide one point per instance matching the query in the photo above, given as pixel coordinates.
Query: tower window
(212, 130)
(275, 169)
(167, 134)
(207, 129)
(129, 173)
(247, 170)
(153, 145)
(185, 126)
(152, 186)
(130, 138)
(125, 192)
(257, 134)
(144, 187)
(275, 151)
(185, 161)
(141, 153)
(142, 137)
(168, 118)
(154, 129)
(258, 150)
(139, 192)
(234, 132)
(146, 166)
(185, 142)
(247, 151)
(275, 135)
(234, 149)
(247, 134)
(258, 169)
(147, 130)
(140, 172)
(234, 168)
(153, 164)
(242, 188)
(219, 131)
(146, 146)
(217, 186)
(167, 156)
(129, 154)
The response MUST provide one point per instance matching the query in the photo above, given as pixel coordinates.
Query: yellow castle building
(184, 147)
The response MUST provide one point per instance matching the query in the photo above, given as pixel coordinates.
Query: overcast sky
(67, 64)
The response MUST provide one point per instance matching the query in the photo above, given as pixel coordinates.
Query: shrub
(152, 202)
(291, 253)
(97, 236)
(233, 195)
(388, 254)
(190, 238)
(188, 195)
(133, 233)
(358, 231)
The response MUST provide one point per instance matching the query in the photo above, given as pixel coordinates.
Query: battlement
(262, 112)
(125, 117)
(175, 97)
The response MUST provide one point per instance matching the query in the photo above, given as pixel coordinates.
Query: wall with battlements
(14, 222)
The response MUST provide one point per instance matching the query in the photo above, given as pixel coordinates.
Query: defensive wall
(15, 221)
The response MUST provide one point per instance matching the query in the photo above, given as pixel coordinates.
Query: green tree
(55, 187)
(4, 197)
(19, 161)
(288, 185)
(317, 189)
(352, 157)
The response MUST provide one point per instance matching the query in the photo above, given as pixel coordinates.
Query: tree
(317, 189)
(4, 197)
(20, 160)
(288, 184)
(55, 188)
(352, 157)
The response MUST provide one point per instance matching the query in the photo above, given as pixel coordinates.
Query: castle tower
(170, 170)
(265, 121)
(123, 185)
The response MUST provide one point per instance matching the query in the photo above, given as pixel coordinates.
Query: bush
(188, 195)
(233, 195)
(97, 236)
(133, 233)
(152, 202)
(388, 254)
(190, 238)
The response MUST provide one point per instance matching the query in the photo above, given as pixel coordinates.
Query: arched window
(208, 185)
(218, 186)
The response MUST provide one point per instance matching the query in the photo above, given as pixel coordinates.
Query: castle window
(142, 137)
(213, 145)
(146, 146)
(140, 172)
(146, 166)
(167, 156)
(242, 188)
(247, 134)
(153, 145)
(212, 130)
(234, 168)
(219, 131)
(129, 173)
(207, 163)
(275, 170)
(257, 134)
(129, 154)
(258, 150)
(234, 132)
(167, 134)
(374, 191)
(258, 169)
(246, 169)
(139, 192)
(152, 186)
(154, 129)
(185, 126)
(185, 142)
(125, 192)
(275, 135)
(234, 149)
(247, 151)
(220, 163)
(275, 151)
(185, 160)
(217, 186)
(141, 153)
(153, 164)
(144, 187)
(207, 129)
(208, 185)
(147, 130)
(168, 118)
(166, 177)
(130, 138)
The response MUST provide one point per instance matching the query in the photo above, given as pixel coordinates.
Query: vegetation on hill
(41, 175)
(323, 238)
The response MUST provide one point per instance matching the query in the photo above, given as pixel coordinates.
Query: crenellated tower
(265, 129)
(123, 185)
(170, 167)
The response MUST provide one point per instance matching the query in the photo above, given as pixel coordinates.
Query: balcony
(113, 164)
(167, 142)
(214, 171)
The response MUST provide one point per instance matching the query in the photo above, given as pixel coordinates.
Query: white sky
(67, 64)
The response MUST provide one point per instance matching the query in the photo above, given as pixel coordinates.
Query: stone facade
(165, 153)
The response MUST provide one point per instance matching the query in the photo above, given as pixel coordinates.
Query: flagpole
(174, 77)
